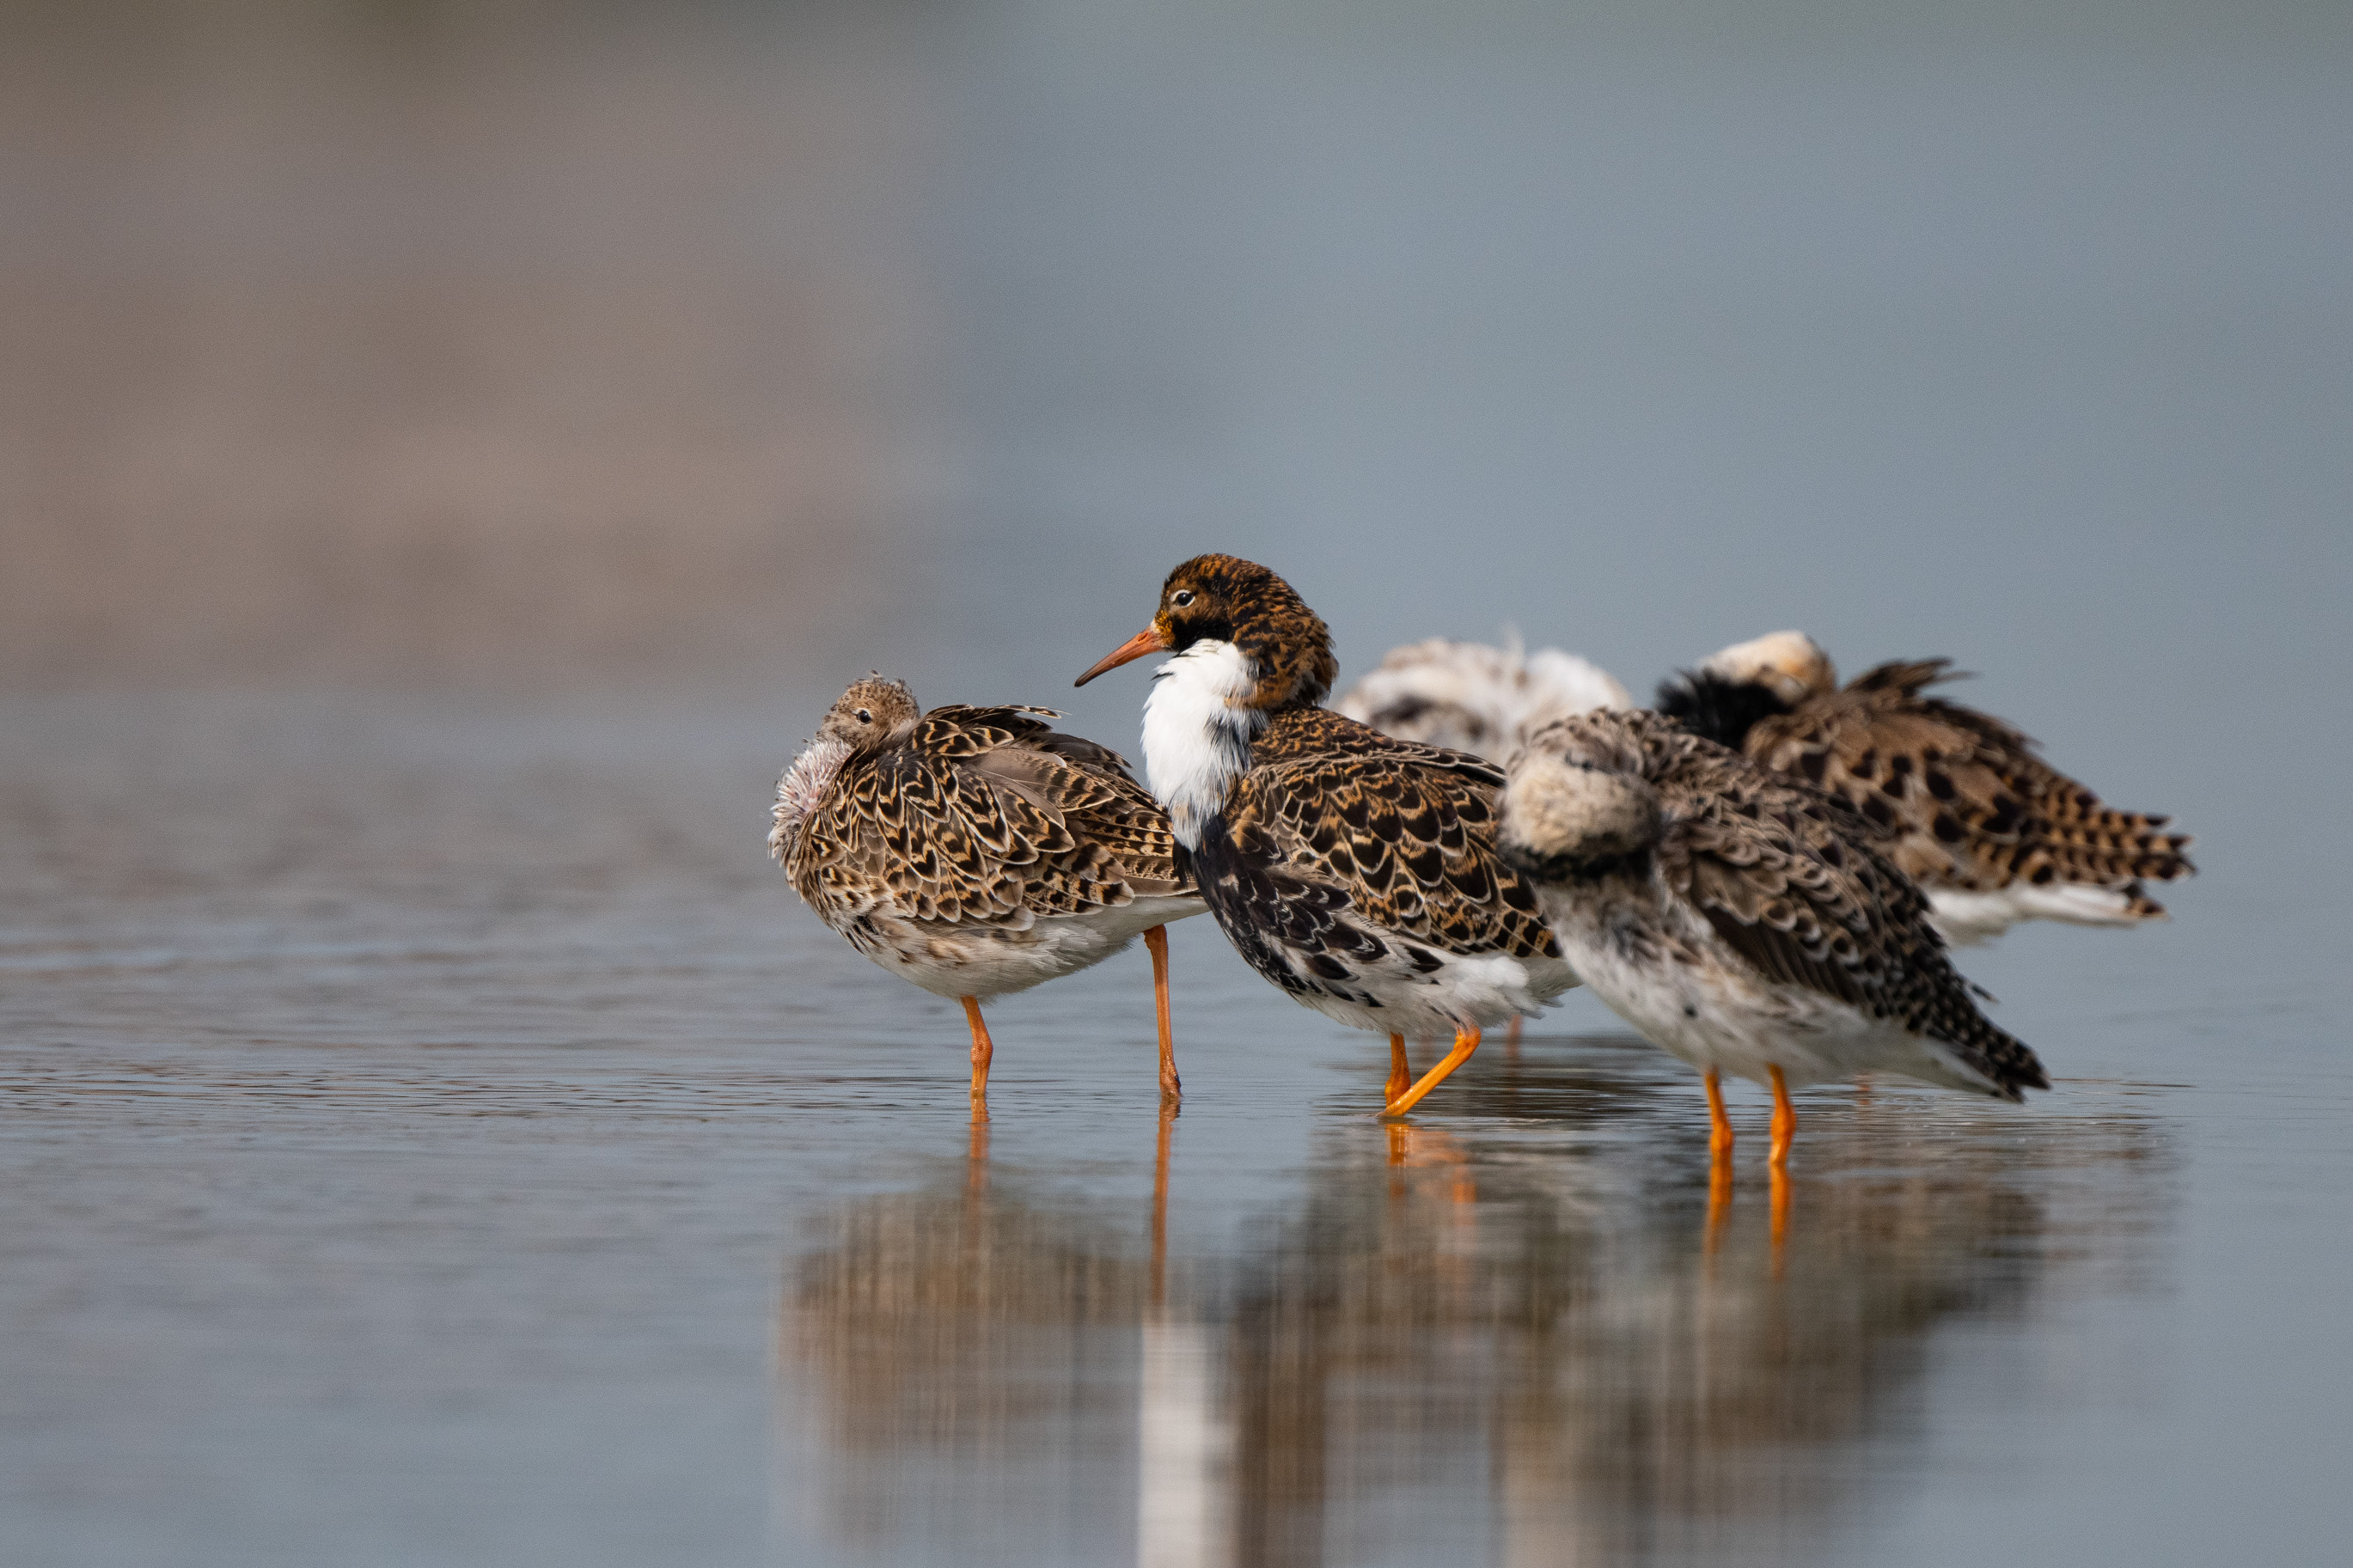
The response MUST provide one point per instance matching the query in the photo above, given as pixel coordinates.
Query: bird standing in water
(1355, 871)
(977, 851)
(1992, 833)
(1740, 919)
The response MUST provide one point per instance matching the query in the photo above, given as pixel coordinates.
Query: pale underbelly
(959, 960)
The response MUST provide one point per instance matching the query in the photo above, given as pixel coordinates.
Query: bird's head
(1576, 798)
(1790, 665)
(1730, 691)
(871, 714)
(1225, 599)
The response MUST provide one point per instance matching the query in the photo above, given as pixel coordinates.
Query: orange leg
(1465, 1042)
(1400, 1075)
(1156, 941)
(981, 1052)
(1785, 1120)
(1719, 1137)
(1512, 1036)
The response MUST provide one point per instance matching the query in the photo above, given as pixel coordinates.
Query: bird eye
(1182, 597)
(864, 716)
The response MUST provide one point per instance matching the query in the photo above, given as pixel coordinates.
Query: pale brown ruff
(977, 851)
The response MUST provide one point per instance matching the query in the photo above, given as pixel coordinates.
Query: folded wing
(1404, 833)
(1781, 875)
(988, 816)
(1964, 800)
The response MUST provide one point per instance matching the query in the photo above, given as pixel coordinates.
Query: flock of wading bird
(1761, 875)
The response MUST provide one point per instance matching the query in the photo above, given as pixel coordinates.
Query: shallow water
(434, 1134)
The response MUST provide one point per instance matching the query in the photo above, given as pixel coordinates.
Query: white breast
(1195, 739)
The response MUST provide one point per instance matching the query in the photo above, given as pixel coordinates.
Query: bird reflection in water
(1184, 1442)
(1532, 1340)
(973, 1350)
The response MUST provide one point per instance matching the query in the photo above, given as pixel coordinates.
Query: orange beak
(1151, 639)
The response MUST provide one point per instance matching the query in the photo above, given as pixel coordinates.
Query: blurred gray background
(493, 343)
(729, 348)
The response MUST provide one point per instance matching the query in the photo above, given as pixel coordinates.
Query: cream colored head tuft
(1789, 664)
(1563, 810)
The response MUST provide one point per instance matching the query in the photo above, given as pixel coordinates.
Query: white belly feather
(1970, 918)
(959, 960)
(1476, 989)
(1714, 1011)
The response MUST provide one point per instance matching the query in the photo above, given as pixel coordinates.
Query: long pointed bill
(1149, 641)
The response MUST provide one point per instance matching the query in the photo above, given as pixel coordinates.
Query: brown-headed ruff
(1355, 871)
(1739, 918)
(977, 851)
(1991, 832)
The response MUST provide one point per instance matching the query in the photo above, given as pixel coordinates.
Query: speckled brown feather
(1266, 619)
(985, 815)
(1404, 832)
(1785, 874)
(1967, 800)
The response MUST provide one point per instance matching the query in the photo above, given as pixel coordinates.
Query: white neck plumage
(1196, 736)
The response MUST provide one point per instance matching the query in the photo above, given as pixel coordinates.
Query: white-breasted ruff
(1355, 870)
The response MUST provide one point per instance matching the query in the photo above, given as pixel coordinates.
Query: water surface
(433, 1132)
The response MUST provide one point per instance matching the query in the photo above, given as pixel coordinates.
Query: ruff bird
(1970, 811)
(978, 851)
(1741, 919)
(1471, 697)
(1355, 871)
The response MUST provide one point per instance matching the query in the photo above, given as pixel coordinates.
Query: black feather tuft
(1715, 708)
